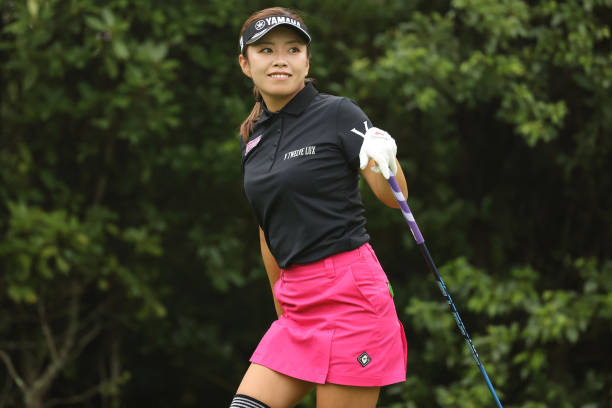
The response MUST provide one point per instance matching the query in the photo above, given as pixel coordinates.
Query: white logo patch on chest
(304, 151)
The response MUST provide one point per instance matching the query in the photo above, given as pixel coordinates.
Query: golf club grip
(401, 200)
(418, 237)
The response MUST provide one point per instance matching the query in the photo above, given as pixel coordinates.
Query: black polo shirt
(301, 176)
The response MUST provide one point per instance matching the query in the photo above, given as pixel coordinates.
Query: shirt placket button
(275, 145)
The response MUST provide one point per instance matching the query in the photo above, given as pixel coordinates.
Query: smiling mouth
(279, 76)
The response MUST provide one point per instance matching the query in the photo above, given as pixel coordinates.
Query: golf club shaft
(414, 228)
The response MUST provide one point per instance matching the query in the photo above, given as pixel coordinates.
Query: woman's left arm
(380, 186)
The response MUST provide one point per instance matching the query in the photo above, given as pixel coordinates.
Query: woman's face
(278, 64)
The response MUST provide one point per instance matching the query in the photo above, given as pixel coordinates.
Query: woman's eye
(266, 50)
(294, 50)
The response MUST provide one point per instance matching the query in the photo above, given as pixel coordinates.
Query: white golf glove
(379, 146)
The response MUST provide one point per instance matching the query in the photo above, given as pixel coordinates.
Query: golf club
(418, 237)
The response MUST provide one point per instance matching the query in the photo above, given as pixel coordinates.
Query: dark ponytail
(247, 126)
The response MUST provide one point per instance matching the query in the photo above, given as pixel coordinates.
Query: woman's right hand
(379, 146)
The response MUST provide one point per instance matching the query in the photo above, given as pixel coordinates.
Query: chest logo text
(304, 151)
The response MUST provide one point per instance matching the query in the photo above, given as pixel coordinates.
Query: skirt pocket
(373, 289)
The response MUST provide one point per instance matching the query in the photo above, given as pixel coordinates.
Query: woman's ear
(244, 64)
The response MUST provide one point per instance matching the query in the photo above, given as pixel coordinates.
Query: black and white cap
(259, 28)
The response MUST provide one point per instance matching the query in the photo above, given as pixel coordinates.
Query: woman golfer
(302, 155)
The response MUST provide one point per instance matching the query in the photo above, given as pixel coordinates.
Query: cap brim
(262, 33)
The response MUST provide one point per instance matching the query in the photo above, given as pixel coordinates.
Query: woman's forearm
(380, 187)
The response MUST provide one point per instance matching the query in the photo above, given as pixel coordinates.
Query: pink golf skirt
(339, 323)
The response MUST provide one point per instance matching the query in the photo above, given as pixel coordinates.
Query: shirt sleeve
(349, 117)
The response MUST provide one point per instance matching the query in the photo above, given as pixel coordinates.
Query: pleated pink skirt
(339, 324)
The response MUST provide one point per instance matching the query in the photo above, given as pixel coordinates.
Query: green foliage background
(129, 265)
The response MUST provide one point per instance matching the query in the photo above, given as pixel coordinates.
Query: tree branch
(73, 322)
(99, 310)
(11, 369)
(44, 381)
(85, 340)
(85, 395)
(47, 332)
